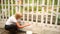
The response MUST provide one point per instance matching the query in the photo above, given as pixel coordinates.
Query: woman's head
(18, 15)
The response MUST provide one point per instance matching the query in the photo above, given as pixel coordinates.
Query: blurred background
(44, 15)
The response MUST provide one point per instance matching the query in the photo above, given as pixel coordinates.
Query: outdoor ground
(3, 31)
(36, 29)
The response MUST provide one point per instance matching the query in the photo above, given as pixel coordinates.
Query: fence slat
(8, 8)
(2, 10)
(16, 5)
(5, 17)
(47, 11)
(57, 13)
(42, 16)
(32, 10)
(28, 11)
(37, 12)
(19, 5)
(12, 6)
(23, 10)
(52, 12)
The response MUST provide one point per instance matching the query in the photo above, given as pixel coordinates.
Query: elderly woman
(12, 24)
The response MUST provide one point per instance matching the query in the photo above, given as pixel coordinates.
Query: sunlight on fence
(46, 12)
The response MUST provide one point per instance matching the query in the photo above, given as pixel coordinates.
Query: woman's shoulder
(11, 17)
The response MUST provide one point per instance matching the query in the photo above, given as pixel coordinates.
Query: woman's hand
(27, 24)
(22, 26)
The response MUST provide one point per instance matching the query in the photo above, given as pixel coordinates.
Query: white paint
(29, 32)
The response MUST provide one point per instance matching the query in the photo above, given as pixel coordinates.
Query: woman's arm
(21, 26)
